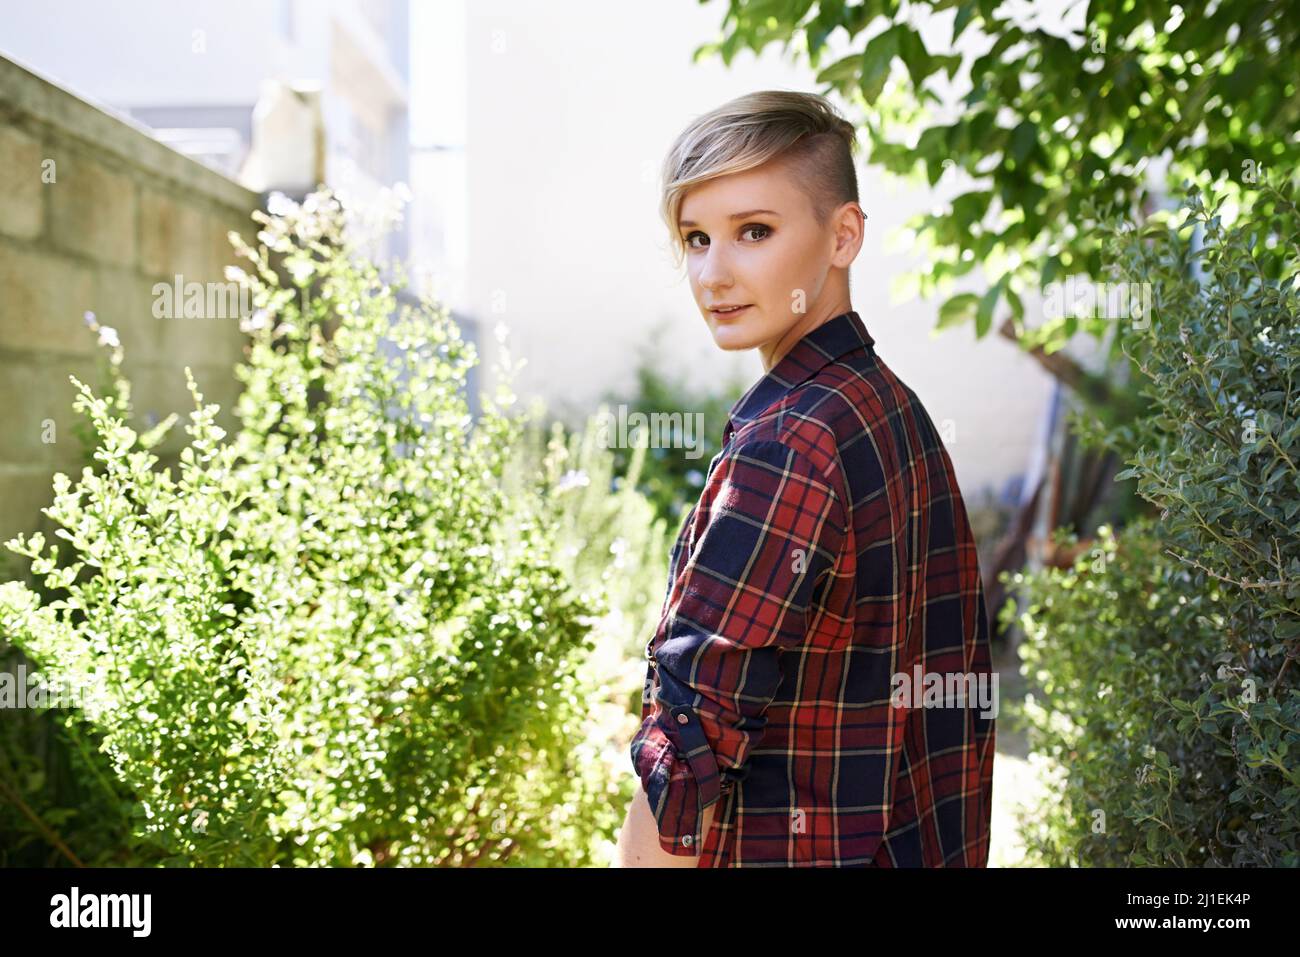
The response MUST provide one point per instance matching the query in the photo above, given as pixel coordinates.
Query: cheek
(774, 271)
(803, 267)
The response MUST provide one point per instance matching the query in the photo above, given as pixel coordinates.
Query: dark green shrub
(1195, 633)
(1110, 645)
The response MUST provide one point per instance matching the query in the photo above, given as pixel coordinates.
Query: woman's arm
(638, 842)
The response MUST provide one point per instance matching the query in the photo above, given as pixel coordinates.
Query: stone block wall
(93, 213)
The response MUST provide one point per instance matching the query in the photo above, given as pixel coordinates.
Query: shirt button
(687, 840)
(682, 719)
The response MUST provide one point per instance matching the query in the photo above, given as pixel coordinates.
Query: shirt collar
(809, 356)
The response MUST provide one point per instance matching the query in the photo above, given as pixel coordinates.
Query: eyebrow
(746, 213)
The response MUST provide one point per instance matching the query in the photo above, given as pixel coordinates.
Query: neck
(774, 351)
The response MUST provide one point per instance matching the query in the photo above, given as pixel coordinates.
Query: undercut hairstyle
(803, 130)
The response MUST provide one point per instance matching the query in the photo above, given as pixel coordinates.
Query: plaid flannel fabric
(828, 562)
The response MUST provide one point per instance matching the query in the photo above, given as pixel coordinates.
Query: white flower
(278, 204)
(572, 479)
(300, 269)
(108, 337)
(256, 321)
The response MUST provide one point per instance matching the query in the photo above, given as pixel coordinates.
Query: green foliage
(1217, 451)
(335, 639)
(1051, 128)
(610, 541)
(59, 802)
(1111, 646)
(1182, 651)
(667, 477)
(611, 545)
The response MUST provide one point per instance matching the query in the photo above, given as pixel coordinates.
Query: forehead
(769, 186)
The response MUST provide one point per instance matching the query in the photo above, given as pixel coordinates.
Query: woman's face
(752, 240)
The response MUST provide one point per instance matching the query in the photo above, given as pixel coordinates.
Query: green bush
(614, 548)
(335, 639)
(667, 477)
(610, 540)
(1111, 646)
(1181, 655)
(55, 789)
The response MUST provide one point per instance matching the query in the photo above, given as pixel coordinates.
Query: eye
(765, 232)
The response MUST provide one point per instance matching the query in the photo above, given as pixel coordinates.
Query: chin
(733, 340)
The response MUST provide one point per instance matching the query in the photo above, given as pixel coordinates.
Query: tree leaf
(984, 316)
(957, 310)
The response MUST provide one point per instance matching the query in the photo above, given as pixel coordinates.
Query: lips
(727, 313)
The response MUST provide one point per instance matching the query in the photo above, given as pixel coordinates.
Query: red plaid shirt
(828, 563)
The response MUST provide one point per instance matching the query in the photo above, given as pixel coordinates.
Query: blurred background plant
(670, 479)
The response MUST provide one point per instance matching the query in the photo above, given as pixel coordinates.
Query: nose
(715, 271)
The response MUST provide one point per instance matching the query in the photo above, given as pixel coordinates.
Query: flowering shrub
(334, 639)
(610, 543)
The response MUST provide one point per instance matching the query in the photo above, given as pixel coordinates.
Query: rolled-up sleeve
(772, 531)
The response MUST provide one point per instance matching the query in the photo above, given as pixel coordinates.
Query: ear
(849, 231)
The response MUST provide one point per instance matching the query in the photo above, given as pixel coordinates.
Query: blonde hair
(803, 129)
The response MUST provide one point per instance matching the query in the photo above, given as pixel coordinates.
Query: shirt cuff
(679, 775)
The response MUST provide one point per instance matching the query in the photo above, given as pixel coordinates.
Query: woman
(829, 564)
